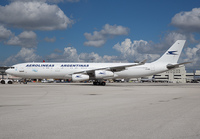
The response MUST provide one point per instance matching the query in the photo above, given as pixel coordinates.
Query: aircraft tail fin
(173, 53)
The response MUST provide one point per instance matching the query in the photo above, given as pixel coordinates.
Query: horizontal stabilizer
(171, 66)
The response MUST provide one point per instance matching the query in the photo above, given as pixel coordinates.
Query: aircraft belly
(135, 73)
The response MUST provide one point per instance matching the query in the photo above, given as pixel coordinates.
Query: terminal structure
(178, 75)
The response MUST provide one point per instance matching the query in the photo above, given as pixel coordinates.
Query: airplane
(98, 72)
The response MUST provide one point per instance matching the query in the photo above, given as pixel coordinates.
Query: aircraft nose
(9, 71)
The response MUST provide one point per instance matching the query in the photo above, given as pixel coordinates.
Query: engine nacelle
(79, 77)
(103, 74)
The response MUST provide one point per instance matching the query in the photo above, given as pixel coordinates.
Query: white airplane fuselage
(65, 70)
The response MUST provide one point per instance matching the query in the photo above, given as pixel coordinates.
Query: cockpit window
(12, 67)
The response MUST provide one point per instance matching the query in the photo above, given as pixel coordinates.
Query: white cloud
(50, 1)
(114, 30)
(57, 1)
(132, 51)
(24, 55)
(192, 55)
(96, 43)
(111, 59)
(70, 55)
(174, 36)
(26, 39)
(90, 57)
(34, 15)
(99, 38)
(4, 33)
(50, 39)
(72, 0)
(187, 21)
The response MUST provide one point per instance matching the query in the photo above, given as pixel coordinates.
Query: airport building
(178, 75)
(2, 72)
(193, 77)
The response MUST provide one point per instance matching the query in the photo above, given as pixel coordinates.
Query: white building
(195, 75)
(177, 75)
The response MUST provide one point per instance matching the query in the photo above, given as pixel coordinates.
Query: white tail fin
(173, 53)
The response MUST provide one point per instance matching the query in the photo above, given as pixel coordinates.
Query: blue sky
(97, 30)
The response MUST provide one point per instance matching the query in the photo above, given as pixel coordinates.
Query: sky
(97, 30)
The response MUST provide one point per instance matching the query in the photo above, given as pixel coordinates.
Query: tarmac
(114, 111)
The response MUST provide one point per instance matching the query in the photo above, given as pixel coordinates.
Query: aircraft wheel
(3, 82)
(10, 82)
(103, 83)
(99, 83)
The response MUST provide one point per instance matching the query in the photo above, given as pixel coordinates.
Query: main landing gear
(24, 81)
(103, 83)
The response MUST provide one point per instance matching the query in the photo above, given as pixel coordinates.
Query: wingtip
(143, 62)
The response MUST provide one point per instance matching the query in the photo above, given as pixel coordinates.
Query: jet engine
(103, 74)
(79, 77)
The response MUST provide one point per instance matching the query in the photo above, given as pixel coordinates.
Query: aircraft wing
(171, 66)
(113, 69)
(123, 67)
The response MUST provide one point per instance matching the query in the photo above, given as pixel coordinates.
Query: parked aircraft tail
(173, 53)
